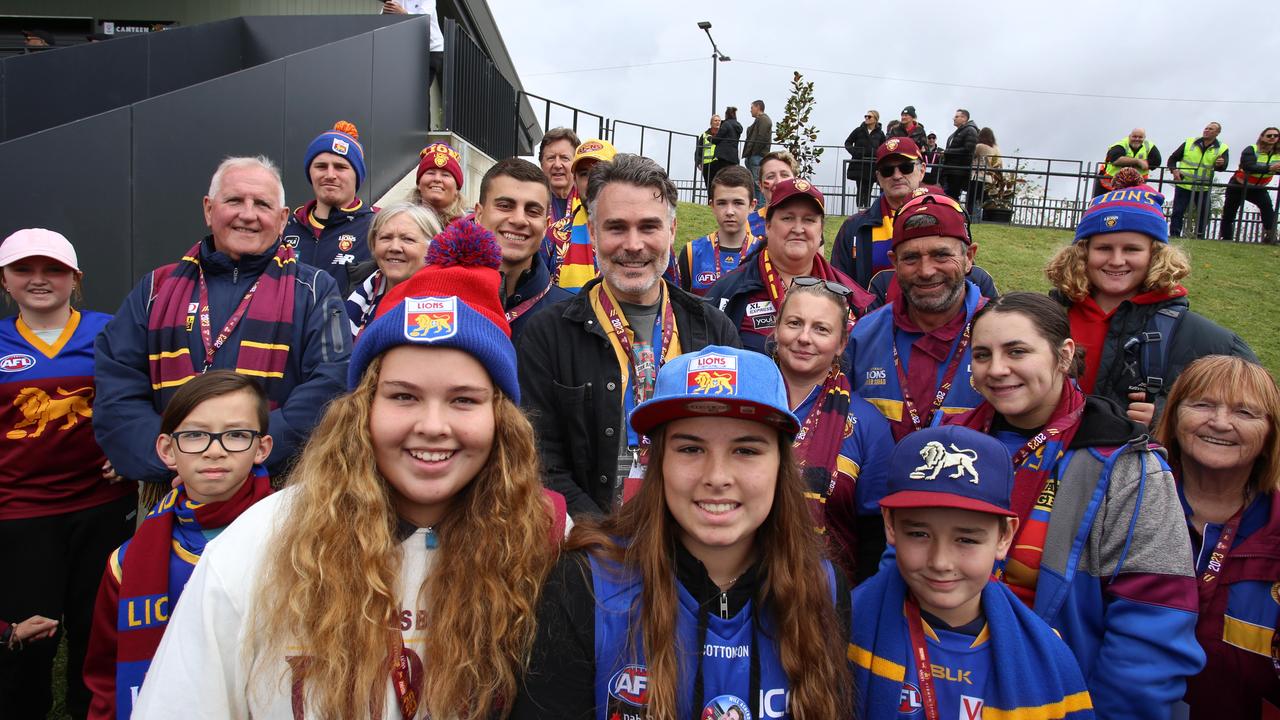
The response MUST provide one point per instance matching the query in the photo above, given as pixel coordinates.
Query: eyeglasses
(194, 442)
(906, 168)
(830, 286)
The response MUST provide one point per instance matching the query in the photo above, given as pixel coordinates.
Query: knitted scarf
(265, 328)
(1032, 480)
(1034, 673)
(156, 565)
(818, 443)
(362, 303)
(577, 257)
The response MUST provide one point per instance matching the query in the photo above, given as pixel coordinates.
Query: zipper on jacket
(235, 275)
(724, 606)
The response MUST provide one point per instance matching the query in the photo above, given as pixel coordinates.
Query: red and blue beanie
(1136, 209)
(454, 302)
(342, 140)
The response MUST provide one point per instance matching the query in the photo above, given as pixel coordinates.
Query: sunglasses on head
(829, 285)
(906, 168)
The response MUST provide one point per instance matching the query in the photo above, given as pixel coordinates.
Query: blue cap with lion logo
(953, 467)
(718, 381)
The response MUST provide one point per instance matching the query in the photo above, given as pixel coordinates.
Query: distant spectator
(759, 139)
(726, 141)
(439, 182)
(329, 231)
(555, 153)
(862, 144)
(1133, 151)
(986, 164)
(908, 127)
(704, 153)
(932, 154)
(38, 39)
(958, 156)
(1258, 164)
(435, 43)
(1193, 165)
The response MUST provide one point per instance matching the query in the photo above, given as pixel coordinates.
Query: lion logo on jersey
(937, 458)
(39, 409)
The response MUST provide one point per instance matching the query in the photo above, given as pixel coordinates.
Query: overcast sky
(1137, 48)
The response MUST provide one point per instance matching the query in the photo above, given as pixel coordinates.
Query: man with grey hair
(237, 300)
(586, 362)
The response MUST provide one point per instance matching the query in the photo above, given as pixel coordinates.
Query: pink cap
(38, 242)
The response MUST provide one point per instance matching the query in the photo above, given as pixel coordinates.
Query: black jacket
(1196, 337)
(917, 135)
(726, 140)
(863, 143)
(959, 152)
(571, 384)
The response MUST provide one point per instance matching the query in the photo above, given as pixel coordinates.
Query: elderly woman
(752, 294)
(1220, 427)
(398, 240)
(1121, 282)
(439, 182)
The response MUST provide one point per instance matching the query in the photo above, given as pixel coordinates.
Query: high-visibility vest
(1141, 154)
(1263, 158)
(708, 149)
(1196, 165)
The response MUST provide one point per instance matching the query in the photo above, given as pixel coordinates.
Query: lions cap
(784, 190)
(950, 467)
(906, 147)
(718, 381)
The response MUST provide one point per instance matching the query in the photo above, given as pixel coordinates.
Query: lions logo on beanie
(343, 140)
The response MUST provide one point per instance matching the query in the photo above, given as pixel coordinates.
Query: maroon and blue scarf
(265, 329)
(818, 443)
(157, 563)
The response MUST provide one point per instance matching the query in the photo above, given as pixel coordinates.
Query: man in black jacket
(958, 155)
(586, 362)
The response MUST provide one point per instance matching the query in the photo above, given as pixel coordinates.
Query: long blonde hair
(1068, 273)
(641, 538)
(333, 587)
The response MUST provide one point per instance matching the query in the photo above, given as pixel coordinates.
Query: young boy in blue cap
(935, 633)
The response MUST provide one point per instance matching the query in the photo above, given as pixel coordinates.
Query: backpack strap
(1148, 352)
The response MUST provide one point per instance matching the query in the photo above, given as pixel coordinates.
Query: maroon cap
(939, 206)
(906, 147)
(789, 188)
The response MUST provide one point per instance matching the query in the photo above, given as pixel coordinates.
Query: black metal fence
(1045, 192)
(478, 100)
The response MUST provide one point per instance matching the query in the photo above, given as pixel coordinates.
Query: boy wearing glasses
(212, 436)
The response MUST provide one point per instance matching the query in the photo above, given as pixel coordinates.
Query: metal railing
(1052, 192)
(478, 100)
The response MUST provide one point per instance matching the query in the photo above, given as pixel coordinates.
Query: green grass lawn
(1230, 283)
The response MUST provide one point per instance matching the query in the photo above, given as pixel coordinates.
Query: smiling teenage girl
(398, 571)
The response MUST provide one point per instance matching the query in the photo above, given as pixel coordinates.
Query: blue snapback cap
(950, 466)
(718, 381)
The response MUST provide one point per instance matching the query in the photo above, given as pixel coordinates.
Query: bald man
(1133, 151)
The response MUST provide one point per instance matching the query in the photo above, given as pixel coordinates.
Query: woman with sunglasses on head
(397, 573)
(1120, 281)
(752, 294)
(1258, 164)
(844, 442)
(707, 590)
(1222, 429)
(1100, 553)
(62, 507)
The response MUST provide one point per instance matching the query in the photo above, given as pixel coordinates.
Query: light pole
(716, 56)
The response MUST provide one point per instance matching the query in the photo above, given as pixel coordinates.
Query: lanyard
(523, 307)
(664, 324)
(920, 656)
(211, 346)
(715, 249)
(1209, 579)
(947, 378)
(406, 696)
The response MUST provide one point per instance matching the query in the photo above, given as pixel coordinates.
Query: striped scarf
(818, 443)
(156, 564)
(576, 258)
(1034, 674)
(264, 331)
(362, 303)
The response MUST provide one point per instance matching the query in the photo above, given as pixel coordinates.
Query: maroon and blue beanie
(453, 302)
(1137, 209)
(342, 140)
